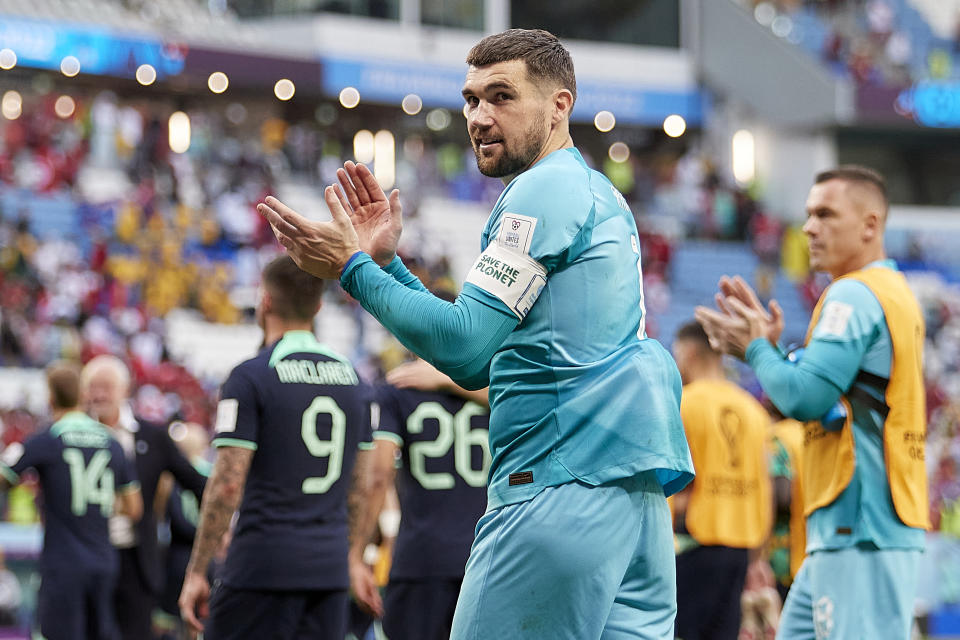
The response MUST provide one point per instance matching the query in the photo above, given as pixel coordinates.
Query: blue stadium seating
(695, 268)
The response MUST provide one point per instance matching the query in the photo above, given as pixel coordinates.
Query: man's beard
(513, 162)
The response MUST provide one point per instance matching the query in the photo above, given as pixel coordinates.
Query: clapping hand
(319, 248)
(739, 318)
(377, 220)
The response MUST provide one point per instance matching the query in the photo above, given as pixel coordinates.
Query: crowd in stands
(149, 231)
(873, 42)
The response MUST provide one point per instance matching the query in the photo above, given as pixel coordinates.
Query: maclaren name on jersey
(85, 439)
(310, 372)
(490, 266)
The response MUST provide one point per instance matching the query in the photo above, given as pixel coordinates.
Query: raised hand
(737, 287)
(735, 326)
(377, 220)
(718, 326)
(319, 248)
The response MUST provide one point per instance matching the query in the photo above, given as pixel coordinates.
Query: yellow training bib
(829, 456)
(730, 500)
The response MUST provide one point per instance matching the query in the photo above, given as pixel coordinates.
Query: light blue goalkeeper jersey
(577, 390)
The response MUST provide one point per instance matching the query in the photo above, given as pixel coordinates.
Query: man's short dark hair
(545, 57)
(294, 293)
(63, 380)
(860, 175)
(693, 332)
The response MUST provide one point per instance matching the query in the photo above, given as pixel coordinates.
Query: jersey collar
(299, 341)
(77, 421)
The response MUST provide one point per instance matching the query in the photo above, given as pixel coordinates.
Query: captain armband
(515, 278)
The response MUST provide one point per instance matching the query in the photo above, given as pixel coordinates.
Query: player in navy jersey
(441, 440)
(289, 425)
(83, 475)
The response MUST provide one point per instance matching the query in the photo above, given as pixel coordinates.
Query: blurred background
(137, 136)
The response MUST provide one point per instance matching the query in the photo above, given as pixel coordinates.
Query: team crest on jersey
(516, 232)
(823, 617)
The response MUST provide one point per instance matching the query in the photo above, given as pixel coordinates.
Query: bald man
(105, 385)
(865, 484)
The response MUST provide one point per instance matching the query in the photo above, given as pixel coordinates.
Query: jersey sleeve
(124, 472)
(389, 425)
(458, 338)
(544, 215)
(536, 227)
(798, 390)
(18, 457)
(401, 274)
(237, 422)
(848, 325)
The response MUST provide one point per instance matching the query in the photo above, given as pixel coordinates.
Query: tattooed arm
(372, 475)
(220, 500)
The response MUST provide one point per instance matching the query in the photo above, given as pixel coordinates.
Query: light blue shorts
(575, 562)
(852, 594)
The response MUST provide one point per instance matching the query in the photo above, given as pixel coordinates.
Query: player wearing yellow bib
(864, 479)
(726, 511)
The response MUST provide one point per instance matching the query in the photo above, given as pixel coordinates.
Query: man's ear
(872, 225)
(562, 105)
(266, 301)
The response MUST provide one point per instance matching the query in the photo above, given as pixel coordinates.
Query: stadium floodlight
(674, 125)
(384, 159)
(619, 152)
(349, 97)
(364, 148)
(218, 83)
(411, 104)
(64, 107)
(70, 66)
(11, 106)
(284, 89)
(146, 74)
(8, 59)
(179, 132)
(604, 121)
(743, 157)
